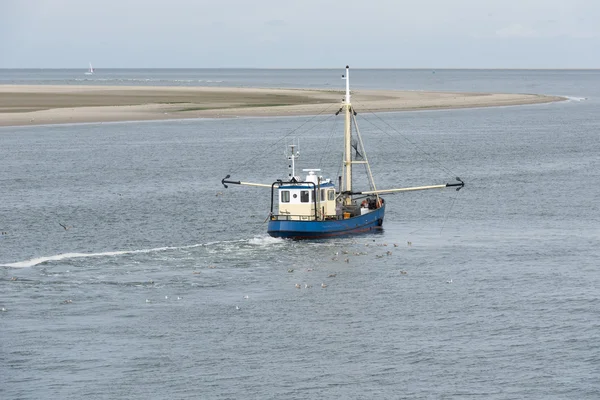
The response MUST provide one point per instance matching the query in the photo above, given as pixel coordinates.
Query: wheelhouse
(310, 200)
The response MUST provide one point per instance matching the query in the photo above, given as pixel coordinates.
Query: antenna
(292, 155)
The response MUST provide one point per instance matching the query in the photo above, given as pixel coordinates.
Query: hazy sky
(300, 34)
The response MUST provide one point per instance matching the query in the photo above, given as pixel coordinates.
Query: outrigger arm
(458, 186)
(224, 181)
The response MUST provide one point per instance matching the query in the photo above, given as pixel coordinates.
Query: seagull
(166, 297)
(3, 309)
(237, 308)
(291, 270)
(450, 281)
(178, 298)
(246, 297)
(307, 286)
(147, 300)
(297, 286)
(67, 301)
(323, 285)
(66, 228)
(331, 275)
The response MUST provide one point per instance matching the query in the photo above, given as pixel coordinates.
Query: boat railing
(290, 217)
(299, 217)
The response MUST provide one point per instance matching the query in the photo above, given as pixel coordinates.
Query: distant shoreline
(58, 104)
(78, 68)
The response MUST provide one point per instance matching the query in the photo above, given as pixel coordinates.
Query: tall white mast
(348, 137)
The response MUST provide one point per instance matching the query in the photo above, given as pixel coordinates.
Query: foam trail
(65, 256)
(265, 240)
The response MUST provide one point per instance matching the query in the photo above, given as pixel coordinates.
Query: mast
(348, 137)
(292, 156)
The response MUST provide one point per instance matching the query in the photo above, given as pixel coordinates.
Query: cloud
(276, 22)
(517, 30)
(548, 29)
(270, 33)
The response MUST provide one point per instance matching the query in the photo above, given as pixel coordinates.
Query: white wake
(257, 241)
(65, 256)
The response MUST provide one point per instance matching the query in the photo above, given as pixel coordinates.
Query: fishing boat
(317, 207)
(90, 71)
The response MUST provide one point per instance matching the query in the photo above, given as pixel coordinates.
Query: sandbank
(58, 104)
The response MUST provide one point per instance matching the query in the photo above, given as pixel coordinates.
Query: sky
(300, 34)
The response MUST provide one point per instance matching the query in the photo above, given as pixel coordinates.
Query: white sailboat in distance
(90, 71)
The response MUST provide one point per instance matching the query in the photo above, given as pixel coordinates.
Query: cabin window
(304, 196)
(322, 195)
(330, 195)
(285, 196)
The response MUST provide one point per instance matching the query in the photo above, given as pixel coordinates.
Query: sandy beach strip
(54, 104)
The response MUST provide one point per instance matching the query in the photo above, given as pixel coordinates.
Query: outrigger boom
(223, 181)
(458, 186)
(410, 189)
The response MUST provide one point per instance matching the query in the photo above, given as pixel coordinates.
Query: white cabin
(310, 200)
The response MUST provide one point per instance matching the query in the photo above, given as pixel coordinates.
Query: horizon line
(325, 68)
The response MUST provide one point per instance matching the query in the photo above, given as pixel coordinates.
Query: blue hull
(372, 221)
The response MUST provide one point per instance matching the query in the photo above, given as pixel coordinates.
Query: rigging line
(365, 157)
(416, 230)
(278, 142)
(428, 156)
(327, 150)
(424, 153)
(447, 215)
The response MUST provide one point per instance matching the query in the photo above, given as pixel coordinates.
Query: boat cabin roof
(310, 178)
(304, 185)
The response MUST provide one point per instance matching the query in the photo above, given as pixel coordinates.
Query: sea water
(164, 284)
